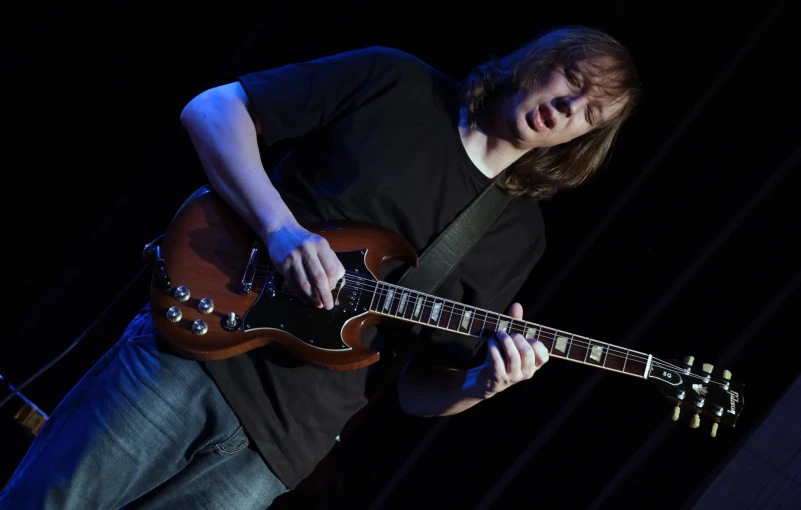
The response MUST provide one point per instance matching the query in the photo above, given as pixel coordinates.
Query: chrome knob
(206, 305)
(174, 314)
(181, 293)
(199, 327)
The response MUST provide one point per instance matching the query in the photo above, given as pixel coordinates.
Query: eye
(588, 115)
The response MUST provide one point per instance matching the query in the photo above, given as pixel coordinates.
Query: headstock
(717, 398)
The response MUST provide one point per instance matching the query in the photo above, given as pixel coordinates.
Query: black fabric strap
(451, 246)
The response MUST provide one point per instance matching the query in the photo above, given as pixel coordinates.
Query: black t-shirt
(377, 141)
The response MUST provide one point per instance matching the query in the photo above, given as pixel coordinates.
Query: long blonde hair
(589, 58)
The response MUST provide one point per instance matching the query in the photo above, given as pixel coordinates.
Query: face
(555, 113)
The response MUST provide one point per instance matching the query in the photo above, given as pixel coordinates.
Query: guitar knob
(181, 293)
(714, 431)
(199, 327)
(231, 322)
(688, 360)
(695, 422)
(174, 314)
(205, 305)
(676, 412)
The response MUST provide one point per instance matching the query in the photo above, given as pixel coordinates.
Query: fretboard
(432, 311)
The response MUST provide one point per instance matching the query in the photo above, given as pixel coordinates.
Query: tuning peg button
(689, 361)
(676, 412)
(727, 379)
(714, 431)
(707, 369)
(695, 421)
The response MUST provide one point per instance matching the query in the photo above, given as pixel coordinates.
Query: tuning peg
(676, 412)
(714, 431)
(727, 378)
(689, 361)
(695, 421)
(707, 369)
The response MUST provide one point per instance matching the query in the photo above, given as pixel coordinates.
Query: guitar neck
(432, 311)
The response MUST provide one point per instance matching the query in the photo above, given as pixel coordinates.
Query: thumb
(516, 311)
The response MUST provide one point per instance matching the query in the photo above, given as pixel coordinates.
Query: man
(380, 137)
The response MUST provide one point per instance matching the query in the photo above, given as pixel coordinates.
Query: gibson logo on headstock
(735, 397)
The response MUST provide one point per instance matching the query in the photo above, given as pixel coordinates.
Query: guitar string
(362, 283)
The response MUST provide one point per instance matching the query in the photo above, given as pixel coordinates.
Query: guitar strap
(442, 256)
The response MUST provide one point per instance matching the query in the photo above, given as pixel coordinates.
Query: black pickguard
(316, 327)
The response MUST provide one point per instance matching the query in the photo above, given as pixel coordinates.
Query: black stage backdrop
(686, 244)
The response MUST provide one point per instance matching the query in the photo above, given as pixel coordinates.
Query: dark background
(686, 244)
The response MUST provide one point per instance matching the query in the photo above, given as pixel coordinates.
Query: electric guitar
(215, 295)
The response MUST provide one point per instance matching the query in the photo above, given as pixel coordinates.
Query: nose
(569, 105)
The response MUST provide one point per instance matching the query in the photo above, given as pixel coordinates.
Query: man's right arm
(224, 134)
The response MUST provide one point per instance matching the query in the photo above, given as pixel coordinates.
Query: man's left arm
(428, 390)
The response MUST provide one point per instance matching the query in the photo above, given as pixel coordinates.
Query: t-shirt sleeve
(294, 100)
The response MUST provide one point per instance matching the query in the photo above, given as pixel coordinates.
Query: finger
(527, 358)
(540, 353)
(516, 311)
(331, 265)
(319, 281)
(495, 356)
(512, 357)
(300, 282)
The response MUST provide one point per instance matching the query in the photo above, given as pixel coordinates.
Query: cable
(147, 253)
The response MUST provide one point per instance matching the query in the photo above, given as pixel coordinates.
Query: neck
(432, 311)
(491, 154)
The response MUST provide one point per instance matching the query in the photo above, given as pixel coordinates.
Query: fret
(483, 324)
(413, 306)
(375, 294)
(395, 306)
(453, 311)
(467, 319)
(436, 310)
(577, 351)
(501, 323)
(596, 353)
(559, 343)
(402, 302)
(636, 365)
(427, 307)
(615, 358)
(418, 306)
(388, 300)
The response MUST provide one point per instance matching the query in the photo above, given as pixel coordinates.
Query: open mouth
(546, 115)
(541, 119)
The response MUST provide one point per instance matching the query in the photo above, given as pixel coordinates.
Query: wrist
(277, 223)
(475, 386)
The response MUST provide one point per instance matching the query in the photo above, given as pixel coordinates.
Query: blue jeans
(142, 429)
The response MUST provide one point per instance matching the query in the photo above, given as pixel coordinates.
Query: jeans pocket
(233, 444)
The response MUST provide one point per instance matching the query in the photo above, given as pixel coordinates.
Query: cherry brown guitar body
(209, 251)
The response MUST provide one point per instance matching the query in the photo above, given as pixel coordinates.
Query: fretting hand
(510, 359)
